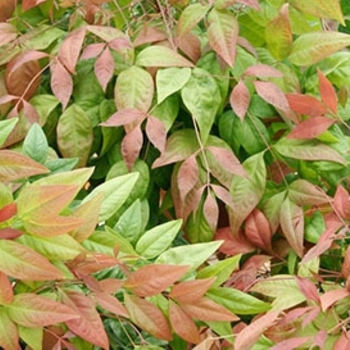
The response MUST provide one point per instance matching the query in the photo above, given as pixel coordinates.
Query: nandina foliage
(174, 174)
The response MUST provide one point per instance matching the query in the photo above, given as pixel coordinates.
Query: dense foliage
(174, 174)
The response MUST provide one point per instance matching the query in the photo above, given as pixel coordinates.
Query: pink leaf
(346, 264)
(92, 51)
(290, 344)
(7, 33)
(331, 297)
(240, 99)
(156, 132)
(131, 146)
(342, 202)
(124, 117)
(149, 34)
(211, 211)
(30, 112)
(111, 304)
(308, 289)
(305, 104)
(187, 176)
(328, 94)
(61, 83)
(311, 128)
(27, 57)
(120, 43)
(272, 94)
(104, 68)
(263, 71)
(69, 51)
(223, 194)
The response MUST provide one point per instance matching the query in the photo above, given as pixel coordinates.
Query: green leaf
(192, 255)
(74, 134)
(307, 150)
(6, 127)
(314, 227)
(9, 339)
(134, 89)
(61, 164)
(44, 105)
(236, 301)
(170, 80)
(222, 270)
(161, 56)
(167, 111)
(190, 17)
(115, 192)
(156, 240)
(35, 144)
(313, 47)
(33, 336)
(201, 95)
(223, 34)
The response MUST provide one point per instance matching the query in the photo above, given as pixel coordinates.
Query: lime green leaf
(161, 56)
(236, 301)
(9, 338)
(223, 34)
(35, 144)
(44, 105)
(6, 127)
(156, 240)
(313, 47)
(190, 17)
(33, 336)
(74, 134)
(192, 255)
(201, 95)
(115, 192)
(170, 80)
(222, 270)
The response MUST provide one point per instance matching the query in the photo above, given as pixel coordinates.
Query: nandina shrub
(174, 174)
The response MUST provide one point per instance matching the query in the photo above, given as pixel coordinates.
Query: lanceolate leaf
(161, 56)
(153, 279)
(104, 68)
(156, 132)
(131, 146)
(271, 93)
(187, 176)
(211, 211)
(313, 47)
(61, 83)
(305, 104)
(328, 94)
(6, 127)
(240, 99)
(9, 339)
(7, 212)
(302, 192)
(311, 128)
(191, 16)
(124, 117)
(6, 291)
(262, 71)
(147, 316)
(15, 166)
(88, 325)
(24, 263)
(111, 304)
(223, 34)
(31, 310)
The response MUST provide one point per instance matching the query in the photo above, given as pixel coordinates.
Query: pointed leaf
(161, 56)
(211, 211)
(263, 71)
(240, 99)
(156, 132)
(223, 194)
(6, 127)
(104, 68)
(313, 47)
(111, 304)
(156, 240)
(302, 192)
(131, 146)
(8, 211)
(305, 104)
(147, 316)
(61, 83)
(187, 176)
(31, 310)
(124, 117)
(328, 94)
(89, 325)
(331, 297)
(92, 51)
(153, 279)
(9, 339)
(223, 34)
(272, 94)
(190, 17)
(24, 263)
(182, 324)
(311, 128)
(35, 144)
(6, 291)
(149, 34)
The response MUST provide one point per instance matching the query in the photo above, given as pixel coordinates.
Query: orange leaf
(187, 176)
(148, 317)
(8, 211)
(111, 304)
(104, 68)
(16, 166)
(240, 99)
(10, 233)
(89, 325)
(31, 310)
(131, 146)
(111, 285)
(154, 279)
(328, 94)
(190, 291)
(183, 324)
(6, 291)
(205, 309)
(156, 132)
(272, 94)
(311, 128)
(250, 334)
(305, 104)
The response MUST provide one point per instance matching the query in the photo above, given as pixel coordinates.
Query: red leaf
(211, 211)
(8, 211)
(156, 132)
(104, 68)
(257, 229)
(205, 309)
(342, 202)
(92, 51)
(272, 94)
(190, 291)
(89, 325)
(69, 51)
(331, 297)
(10, 233)
(263, 71)
(61, 83)
(124, 117)
(183, 324)
(311, 128)
(32, 310)
(154, 279)
(111, 304)
(6, 291)
(187, 176)
(308, 289)
(250, 334)
(305, 104)
(328, 94)
(148, 317)
(240, 99)
(131, 146)
(223, 194)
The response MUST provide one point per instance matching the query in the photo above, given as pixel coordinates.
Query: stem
(167, 27)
